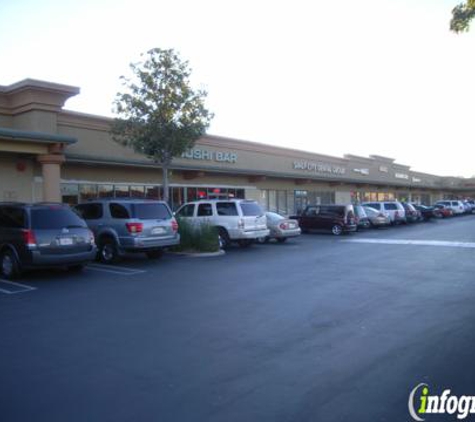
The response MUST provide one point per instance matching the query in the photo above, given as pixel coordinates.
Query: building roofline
(38, 137)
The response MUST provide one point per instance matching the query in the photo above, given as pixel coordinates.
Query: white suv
(396, 211)
(456, 206)
(237, 220)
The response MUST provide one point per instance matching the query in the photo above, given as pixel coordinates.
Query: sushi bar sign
(210, 155)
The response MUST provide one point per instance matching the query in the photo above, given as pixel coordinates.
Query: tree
(462, 16)
(159, 114)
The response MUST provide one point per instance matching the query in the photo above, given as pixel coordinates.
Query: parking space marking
(18, 288)
(114, 269)
(469, 245)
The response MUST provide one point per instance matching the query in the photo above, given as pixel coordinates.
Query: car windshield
(151, 211)
(251, 209)
(55, 218)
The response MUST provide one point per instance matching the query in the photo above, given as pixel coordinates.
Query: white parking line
(470, 245)
(23, 287)
(114, 269)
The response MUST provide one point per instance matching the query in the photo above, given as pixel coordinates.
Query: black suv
(42, 235)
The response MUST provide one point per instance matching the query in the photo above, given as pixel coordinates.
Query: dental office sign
(318, 168)
(210, 155)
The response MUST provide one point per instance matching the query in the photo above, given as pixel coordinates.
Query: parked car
(42, 235)
(455, 205)
(130, 225)
(443, 211)
(427, 213)
(393, 208)
(362, 220)
(468, 207)
(377, 218)
(412, 214)
(237, 220)
(280, 228)
(336, 218)
(471, 202)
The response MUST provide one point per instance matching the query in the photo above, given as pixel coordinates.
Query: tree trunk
(166, 189)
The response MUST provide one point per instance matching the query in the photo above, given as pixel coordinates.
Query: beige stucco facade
(51, 154)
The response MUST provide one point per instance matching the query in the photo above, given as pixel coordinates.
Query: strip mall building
(51, 154)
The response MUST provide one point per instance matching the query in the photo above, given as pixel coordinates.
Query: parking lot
(320, 328)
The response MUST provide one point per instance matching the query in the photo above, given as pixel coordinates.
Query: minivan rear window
(55, 218)
(251, 209)
(391, 207)
(152, 211)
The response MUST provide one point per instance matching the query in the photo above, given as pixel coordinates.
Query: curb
(199, 254)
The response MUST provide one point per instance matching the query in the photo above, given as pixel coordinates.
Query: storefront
(47, 153)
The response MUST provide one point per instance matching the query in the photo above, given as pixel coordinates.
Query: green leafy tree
(159, 114)
(462, 15)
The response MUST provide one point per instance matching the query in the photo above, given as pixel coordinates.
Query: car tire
(337, 230)
(9, 266)
(281, 239)
(155, 254)
(262, 240)
(223, 238)
(108, 251)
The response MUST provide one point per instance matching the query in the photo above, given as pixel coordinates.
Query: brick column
(51, 169)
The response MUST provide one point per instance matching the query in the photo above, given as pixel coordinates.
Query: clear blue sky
(363, 77)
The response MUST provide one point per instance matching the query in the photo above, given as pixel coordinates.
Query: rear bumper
(254, 234)
(41, 260)
(285, 233)
(139, 244)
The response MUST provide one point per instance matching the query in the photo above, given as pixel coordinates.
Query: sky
(383, 77)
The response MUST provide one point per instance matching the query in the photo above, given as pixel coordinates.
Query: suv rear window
(251, 209)
(55, 218)
(151, 211)
(391, 207)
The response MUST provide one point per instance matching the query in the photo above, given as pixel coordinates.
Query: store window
(121, 191)
(70, 193)
(137, 191)
(87, 192)
(105, 191)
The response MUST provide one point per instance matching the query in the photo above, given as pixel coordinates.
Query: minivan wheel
(337, 230)
(223, 238)
(9, 265)
(244, 243)
(108, 252)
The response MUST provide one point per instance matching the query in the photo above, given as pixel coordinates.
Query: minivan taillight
(29, 238)
(174, 226)
(134, 228)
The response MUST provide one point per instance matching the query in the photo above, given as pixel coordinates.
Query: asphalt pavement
(320, 328)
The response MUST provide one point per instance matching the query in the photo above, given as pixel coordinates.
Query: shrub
(197, 238)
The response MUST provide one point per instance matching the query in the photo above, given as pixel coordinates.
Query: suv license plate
(158, 230)
(66, 241)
